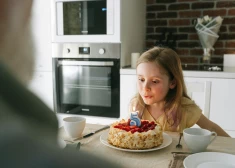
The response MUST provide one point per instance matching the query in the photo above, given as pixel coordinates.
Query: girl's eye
(140, 79)
(155, 81)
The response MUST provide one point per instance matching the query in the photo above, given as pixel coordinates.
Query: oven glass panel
(83, 85)
(85, 17)
(92, 90)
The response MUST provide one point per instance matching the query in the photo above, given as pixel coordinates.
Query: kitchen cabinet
(222, 104)
(215, 92)
(221, 107)
(200, 92)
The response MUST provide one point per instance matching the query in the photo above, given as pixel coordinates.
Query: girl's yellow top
(190, 115)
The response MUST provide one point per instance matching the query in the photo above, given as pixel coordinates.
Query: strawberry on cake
(144, 135)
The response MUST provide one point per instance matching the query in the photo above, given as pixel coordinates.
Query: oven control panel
(102, 51)
(86, 50)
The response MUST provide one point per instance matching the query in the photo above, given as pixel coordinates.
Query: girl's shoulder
(186, 101)
(191, 112)
(189, 105)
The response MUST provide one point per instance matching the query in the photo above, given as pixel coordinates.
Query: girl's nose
(147, 86)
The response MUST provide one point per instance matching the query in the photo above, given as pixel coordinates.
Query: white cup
(134, 58)
(197, 139)
(74, 126)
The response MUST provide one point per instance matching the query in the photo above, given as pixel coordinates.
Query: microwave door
(84, 18)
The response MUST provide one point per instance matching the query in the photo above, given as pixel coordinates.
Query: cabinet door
(222, 103)
(128, 89)
(199, 90)
(41, 85)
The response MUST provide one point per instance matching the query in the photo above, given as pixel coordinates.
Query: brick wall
(178, 16)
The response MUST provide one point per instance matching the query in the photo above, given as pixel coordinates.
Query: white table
(159, 158)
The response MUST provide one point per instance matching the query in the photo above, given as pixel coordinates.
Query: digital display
(84, 50)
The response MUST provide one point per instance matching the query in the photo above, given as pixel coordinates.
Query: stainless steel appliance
(85, 19)
(100, 21)
(86, 79)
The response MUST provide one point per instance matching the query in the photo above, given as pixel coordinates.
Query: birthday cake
(135, 134)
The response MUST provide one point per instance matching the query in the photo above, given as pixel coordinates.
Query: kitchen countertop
(159, 158)
(89, 119)
(228, 73)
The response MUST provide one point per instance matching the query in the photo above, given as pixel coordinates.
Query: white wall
(41, 29)
(133, 27)
(41, 83)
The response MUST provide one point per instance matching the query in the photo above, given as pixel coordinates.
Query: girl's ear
(172, 84)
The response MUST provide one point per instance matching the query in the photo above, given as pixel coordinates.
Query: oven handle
(96, 63)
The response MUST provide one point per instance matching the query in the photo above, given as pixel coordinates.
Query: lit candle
(135, 120)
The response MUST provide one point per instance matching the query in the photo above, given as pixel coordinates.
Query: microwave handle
(92, 63)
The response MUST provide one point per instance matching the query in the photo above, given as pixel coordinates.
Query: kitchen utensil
(197, 139)
(74, 126)
(92, 133)
(134, 58)
(209, 159)
(179, 145)
(181, 153)
(229, 62)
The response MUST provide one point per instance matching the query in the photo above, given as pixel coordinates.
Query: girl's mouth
(147, 97)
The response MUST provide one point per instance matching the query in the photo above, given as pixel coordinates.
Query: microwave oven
(85, 20)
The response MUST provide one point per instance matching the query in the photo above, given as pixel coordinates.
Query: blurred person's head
(15, 38)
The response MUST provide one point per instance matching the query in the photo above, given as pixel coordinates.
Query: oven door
(87, 87)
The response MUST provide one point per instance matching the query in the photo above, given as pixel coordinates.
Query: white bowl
(74, 126)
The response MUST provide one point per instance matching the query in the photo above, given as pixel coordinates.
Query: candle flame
(133, 108)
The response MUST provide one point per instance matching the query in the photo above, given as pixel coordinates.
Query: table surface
(158, 158)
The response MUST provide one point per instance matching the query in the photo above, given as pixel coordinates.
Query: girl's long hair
(170, 64)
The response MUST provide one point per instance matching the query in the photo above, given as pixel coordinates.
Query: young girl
(162, 95)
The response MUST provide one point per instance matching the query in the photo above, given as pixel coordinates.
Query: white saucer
(167, 140)
(215, 165)
(209, 159)
(61, 143)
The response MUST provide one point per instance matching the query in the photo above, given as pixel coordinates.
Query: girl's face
(153, 85)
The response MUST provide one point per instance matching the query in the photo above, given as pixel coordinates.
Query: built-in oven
(86, 79)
